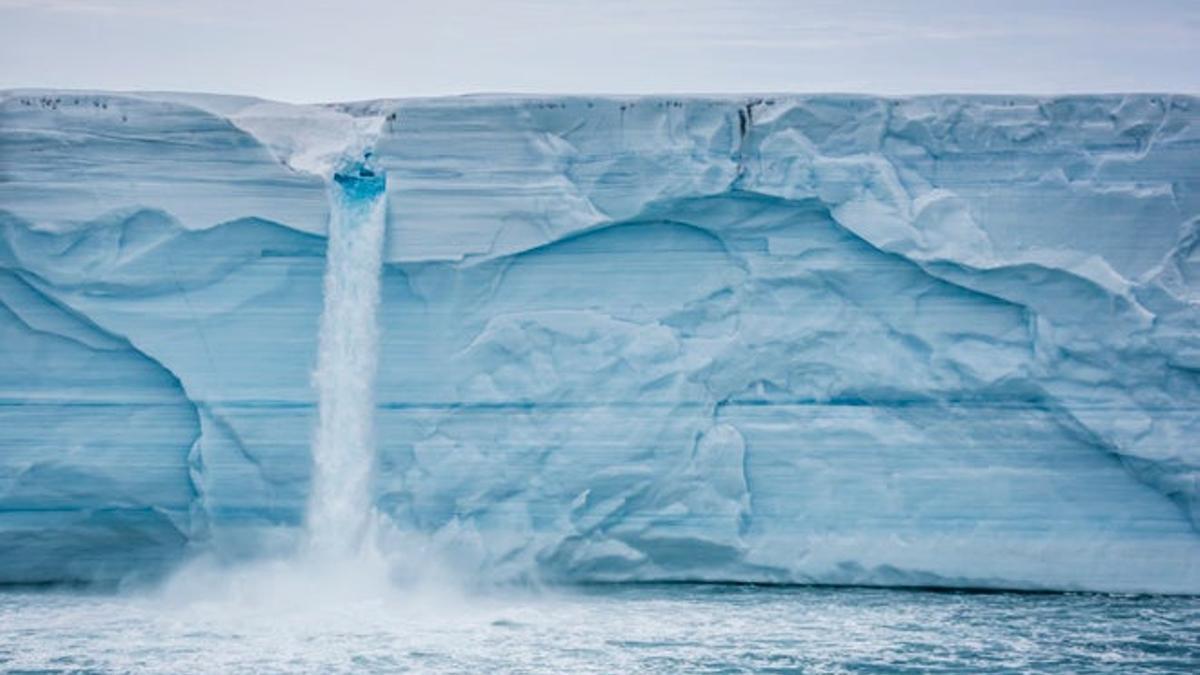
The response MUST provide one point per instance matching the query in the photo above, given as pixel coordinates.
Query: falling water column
(339, 508)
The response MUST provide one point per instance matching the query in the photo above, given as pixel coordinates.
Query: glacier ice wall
(949, 341)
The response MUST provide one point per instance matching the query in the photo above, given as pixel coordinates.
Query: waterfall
(339, 509)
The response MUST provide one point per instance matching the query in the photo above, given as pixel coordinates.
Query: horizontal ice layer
(934, 341)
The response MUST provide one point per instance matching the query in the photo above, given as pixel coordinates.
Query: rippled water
(605, 629)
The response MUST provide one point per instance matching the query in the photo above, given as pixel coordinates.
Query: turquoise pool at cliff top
(608, 629)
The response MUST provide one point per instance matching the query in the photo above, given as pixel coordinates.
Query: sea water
(611, 629)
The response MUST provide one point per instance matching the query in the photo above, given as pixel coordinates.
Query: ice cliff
(948, 341)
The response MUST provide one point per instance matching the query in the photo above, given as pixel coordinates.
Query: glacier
(946, 341)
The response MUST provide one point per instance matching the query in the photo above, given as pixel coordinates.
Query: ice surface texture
(946, 341)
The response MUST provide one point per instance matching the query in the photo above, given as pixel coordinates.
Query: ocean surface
(610, 629)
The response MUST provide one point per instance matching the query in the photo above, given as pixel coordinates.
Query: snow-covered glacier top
(948, 340)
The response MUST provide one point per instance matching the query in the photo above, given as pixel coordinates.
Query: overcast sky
(313, 50)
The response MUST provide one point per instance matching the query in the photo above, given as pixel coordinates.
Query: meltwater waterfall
(339, 508)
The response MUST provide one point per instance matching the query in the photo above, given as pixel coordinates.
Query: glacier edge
(799, 236)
